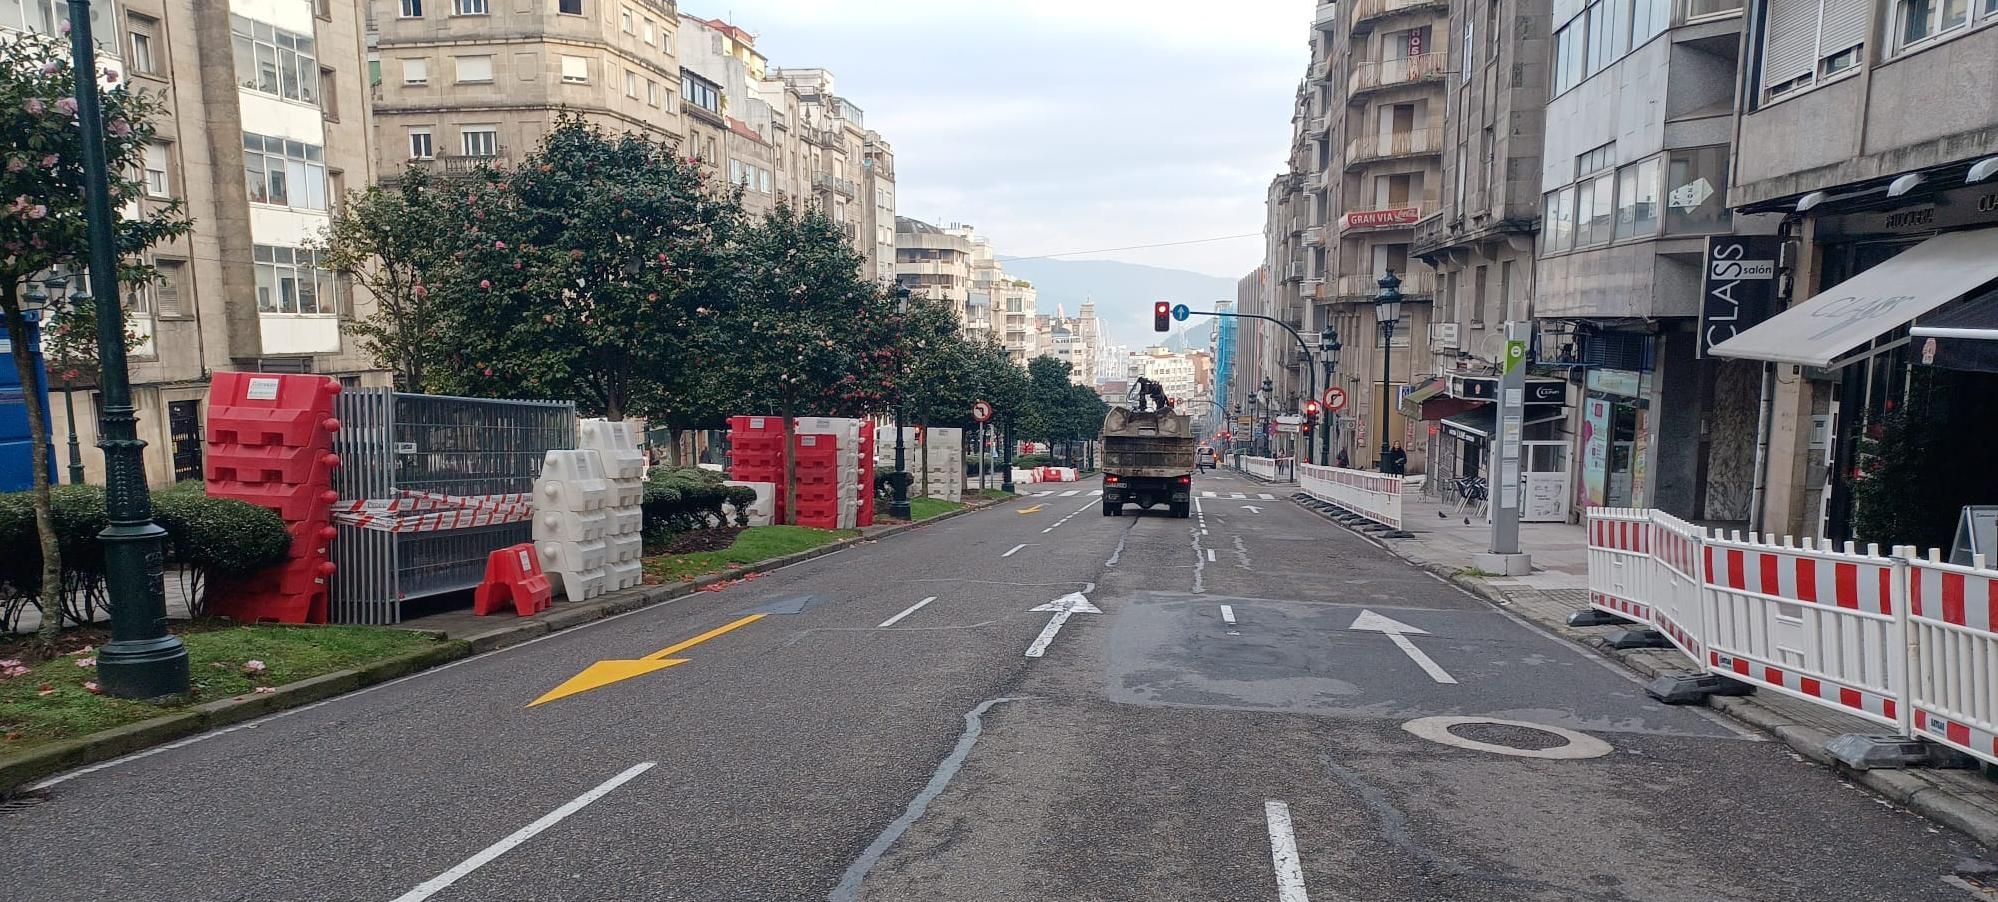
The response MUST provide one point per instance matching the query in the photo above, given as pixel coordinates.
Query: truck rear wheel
(1182, 509)
(1111, 509)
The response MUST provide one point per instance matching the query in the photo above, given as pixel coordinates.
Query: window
(646, 34)
(575, 69)
(1595, 210)
(651, 92)
(1505, 292)
(468, 7)
(1595, 160)
(275, 61)
(292, 173)
(569, 7)
(289, 280)
(144, 32)
(1699, 172)
(1806, 40)
(172, 287)
(323, 9)
(1637, 200)
(1558, 233)
(1470, 50)
(699, 93)
(630, 83)
(419, 144)
(329, 96)
(157, 184)
(416, 72)
(1478, 298)
(624, 20)
(479, 140)
(412, 9)
(475, 69)
(1924, 19)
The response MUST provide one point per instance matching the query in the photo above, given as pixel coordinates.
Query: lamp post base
(143, 668)
(898, 506)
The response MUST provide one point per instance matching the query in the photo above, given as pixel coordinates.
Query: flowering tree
(396, 240)
(42, 223)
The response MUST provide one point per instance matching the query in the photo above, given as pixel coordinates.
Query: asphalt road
(856, 742)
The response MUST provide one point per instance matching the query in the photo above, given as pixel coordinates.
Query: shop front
(1613, 438)
(1463, 410)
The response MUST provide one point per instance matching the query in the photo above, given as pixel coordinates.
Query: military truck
(1147, 460)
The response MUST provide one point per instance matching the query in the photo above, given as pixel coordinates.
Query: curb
(1900, 787)
(19, 770)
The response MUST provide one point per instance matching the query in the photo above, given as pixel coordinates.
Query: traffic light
(1162, 317)
(1311, 409)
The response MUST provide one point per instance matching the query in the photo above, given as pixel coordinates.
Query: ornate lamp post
(1328, 342)
(1269, 409)
(1387, 312)
(898, 504)
(142, 660)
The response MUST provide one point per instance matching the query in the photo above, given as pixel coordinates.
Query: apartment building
(1075, 340)
(1480, 241)
(1633, 170)
(728, 125)
(465, 82)
(878, 220)
(935, 263)
(1014, 316)
(1868, 130)
(268, 126)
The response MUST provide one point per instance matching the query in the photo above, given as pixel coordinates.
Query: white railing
(1375, 496)
(1274, 469)
(1903, 641)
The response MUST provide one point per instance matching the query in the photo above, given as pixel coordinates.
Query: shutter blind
(1789, 43)
(1844, 25)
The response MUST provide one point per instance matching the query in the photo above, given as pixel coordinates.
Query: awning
(1411, 400)
(1964, 338)
(1819, 331)
(1480, 423)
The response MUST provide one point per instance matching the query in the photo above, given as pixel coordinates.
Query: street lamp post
(1387, 311)
(142, 660)
(1269, 408)
(51, 297)
(898, 503)
(1328, 342)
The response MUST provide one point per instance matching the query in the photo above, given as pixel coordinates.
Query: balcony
(1314, 182)
(1394, 145)
(826, 181)
(1376, 75)
(1314, 236)
(1419, 283)
(1392, 215)
(882, 169)
(460, 166)
(1318, 126)
(1367, 12)
(1321, 69)
(1294, 272)
(1326, 16)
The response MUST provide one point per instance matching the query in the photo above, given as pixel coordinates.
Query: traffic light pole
(1310, 375)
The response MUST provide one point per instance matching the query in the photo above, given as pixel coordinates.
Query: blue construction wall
(16, 461)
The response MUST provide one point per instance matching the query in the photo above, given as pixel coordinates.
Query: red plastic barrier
(270, 408)
(270, 440)
(513, 574)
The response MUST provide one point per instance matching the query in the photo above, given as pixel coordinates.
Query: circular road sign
(981, 411)
(1180, 312)
(1335, 399)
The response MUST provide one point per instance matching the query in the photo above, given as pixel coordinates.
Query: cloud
(1056, 125)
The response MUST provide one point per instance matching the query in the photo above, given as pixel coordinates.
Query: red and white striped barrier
(1273, 469)
(1902, 641)
(414, 511)
(1375, 496)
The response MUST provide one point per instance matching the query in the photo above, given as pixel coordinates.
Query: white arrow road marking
(1072, 603)
(1228, 614)
(1015, 550)
(436, 884)
(907, 611)
(1252, 508)
(1283, 854)
(1371, 622)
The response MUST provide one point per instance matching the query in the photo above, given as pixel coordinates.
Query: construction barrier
(1375, 496)
(1905, 642)
(1272, 469)
(270, 443)
(513, 576)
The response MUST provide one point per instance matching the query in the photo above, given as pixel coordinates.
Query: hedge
(680, 500)
(207, 536)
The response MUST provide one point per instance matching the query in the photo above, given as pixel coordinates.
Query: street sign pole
(1504, 556)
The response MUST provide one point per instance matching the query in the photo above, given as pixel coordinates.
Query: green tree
(587, 270)
(802, 331)
(42, 223)
(396, 240)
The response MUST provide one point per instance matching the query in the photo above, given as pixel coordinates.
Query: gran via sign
(1737, 286)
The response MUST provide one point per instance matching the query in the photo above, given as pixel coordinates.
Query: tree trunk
(38, 431)
(790, 468)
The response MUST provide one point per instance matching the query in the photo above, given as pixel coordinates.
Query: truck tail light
(1186, 480)
(1111, 479)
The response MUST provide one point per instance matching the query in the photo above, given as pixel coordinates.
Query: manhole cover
(1508, 737)
(1525, 738)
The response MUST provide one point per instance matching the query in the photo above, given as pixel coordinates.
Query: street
(1034, 702)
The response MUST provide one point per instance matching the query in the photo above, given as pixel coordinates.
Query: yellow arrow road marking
(617, 670)
(1030, 510)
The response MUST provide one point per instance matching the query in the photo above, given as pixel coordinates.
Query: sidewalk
(1441, 542)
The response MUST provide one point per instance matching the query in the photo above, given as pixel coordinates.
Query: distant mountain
(1124, 293)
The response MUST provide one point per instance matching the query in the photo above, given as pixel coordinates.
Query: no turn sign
(981, 411)
(1335, 399)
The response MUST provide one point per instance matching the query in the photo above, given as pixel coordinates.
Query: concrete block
(1504, 564)
(1861, 752)
(1694, 688)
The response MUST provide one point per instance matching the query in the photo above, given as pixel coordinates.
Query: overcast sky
(1064, 125)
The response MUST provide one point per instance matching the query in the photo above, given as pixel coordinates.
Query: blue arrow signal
(1181, 312)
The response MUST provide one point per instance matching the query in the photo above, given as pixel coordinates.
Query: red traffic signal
(1162, 317)
(1311, 408)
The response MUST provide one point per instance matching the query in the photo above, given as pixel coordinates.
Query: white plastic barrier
(571, 522)
(1953, 651)
(1375, 496)
(615, 443)
(1904, 642)
(764, 510)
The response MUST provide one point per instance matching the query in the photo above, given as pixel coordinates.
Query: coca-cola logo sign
(1375, 219)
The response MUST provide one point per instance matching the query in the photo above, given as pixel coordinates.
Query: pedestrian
(1344, 462)
(1397, 460)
